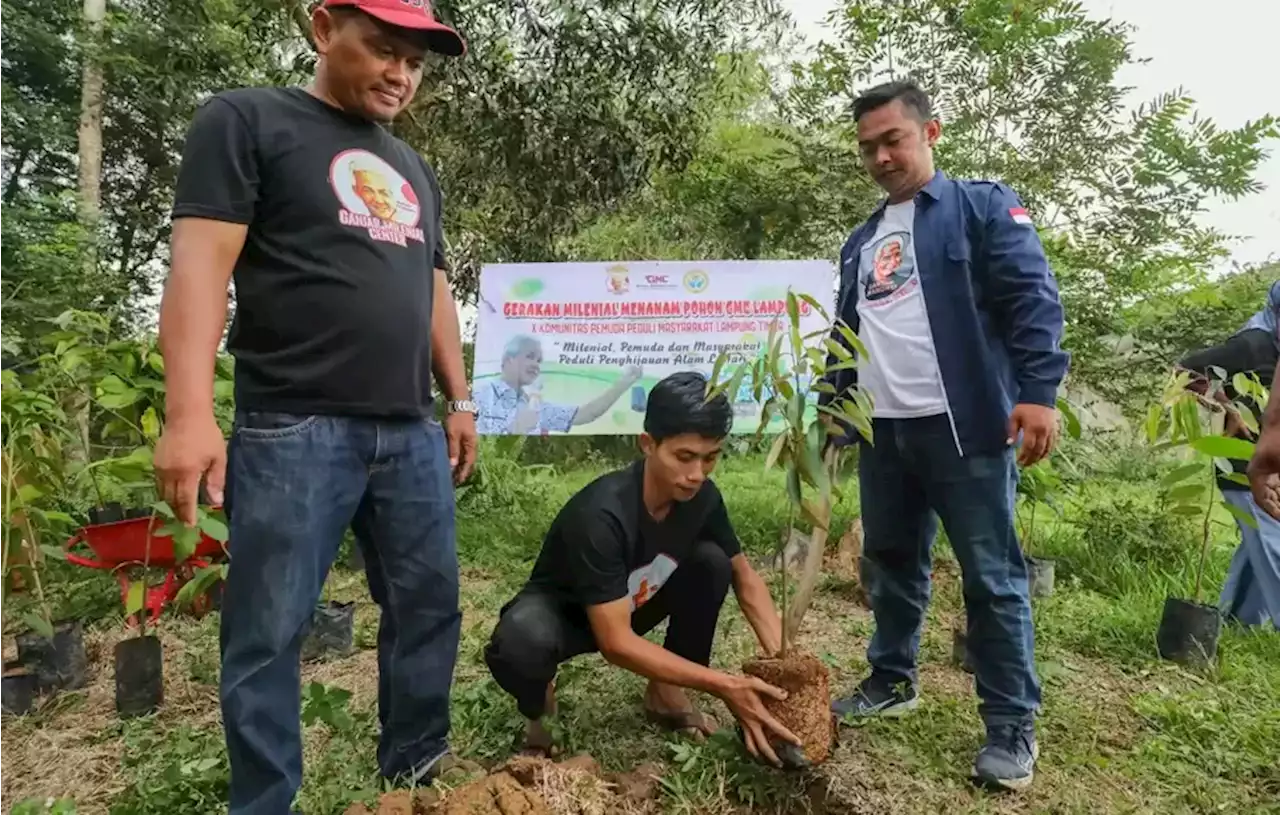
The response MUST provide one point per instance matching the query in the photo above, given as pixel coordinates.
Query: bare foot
(669, 706)
(537, 739)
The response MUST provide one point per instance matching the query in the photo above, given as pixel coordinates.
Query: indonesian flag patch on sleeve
(1019, 216)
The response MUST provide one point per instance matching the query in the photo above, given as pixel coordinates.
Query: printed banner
(575, 347)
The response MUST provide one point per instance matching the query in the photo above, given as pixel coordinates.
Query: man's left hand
(460, 429)
(1039, 428)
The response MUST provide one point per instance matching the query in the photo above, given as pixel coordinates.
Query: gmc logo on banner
(656, 279)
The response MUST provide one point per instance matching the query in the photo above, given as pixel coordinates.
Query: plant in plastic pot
(332, 630)
(785, 379)
(1189, 627)
(139, 662)
(1041, 484)
(52, 651)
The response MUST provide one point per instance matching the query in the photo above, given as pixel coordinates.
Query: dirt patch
(807, 709)
(533, 786)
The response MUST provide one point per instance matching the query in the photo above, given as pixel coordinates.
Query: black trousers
(537, 632)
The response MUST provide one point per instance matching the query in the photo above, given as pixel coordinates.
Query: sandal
(692, 722)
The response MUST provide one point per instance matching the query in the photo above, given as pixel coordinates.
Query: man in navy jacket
(948, 289)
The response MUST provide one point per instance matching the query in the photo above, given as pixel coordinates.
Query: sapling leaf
(185, 541)
(28, 493)
(852, 339)
(1223, 447)
(55, 552)
(135, 598)
(793, 483)
(1236, 478)
(1186, 492)
(779, 444)
(757, 379)
(784, 388)
(1152, 424)
(816, 306)
(1244, 516)
(812, 515)
(200, 582)
(38, 624)
(1248, 420)
(735, 383)
(1187, 415)
(1182, 474)
(150, 423)
(814, 440)
(715, 373)
(1187, 510)
(214, 528)
(837, 350)
(1070, 419)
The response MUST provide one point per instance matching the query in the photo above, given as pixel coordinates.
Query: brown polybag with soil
(807, 709)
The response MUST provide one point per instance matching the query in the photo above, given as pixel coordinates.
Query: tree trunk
(91, 99)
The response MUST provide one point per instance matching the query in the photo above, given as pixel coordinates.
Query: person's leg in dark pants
(406, 528)
(975, 496)
(293, 484)
(534, 634)
(898, 531)
(691, 599)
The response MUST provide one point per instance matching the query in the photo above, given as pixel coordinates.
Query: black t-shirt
(334, 285)
(604, 545)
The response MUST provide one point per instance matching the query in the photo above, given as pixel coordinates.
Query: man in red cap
(331, 229)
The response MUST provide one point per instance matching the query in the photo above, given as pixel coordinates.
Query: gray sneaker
(876, 697)
(1008, 759)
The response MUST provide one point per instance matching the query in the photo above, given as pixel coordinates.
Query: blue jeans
(909, 478)
(1251, 593)
(294, 485)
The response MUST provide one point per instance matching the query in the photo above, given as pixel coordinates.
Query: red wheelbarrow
(133, 542)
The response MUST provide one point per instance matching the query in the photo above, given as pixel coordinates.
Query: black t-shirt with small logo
(604, 545)
(334, 285)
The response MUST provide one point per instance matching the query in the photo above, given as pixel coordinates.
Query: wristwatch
(463, 406)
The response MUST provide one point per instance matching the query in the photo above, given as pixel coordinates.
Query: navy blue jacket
(992, 303)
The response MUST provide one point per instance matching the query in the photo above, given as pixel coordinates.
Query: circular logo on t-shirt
(891, 265)
(367, 185)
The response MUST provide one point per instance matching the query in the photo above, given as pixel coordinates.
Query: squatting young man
(645, 543)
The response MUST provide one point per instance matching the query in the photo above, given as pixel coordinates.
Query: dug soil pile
(533, 786)
(807, 709)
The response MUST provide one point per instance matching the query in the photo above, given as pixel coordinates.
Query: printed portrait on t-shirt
(892, 265)
(375, 197)
(644, 582)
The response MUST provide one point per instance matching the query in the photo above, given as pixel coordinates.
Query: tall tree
(563, 109)
(90, 132)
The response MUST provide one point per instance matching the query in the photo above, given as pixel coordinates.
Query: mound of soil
(533, 786)
(807, 709)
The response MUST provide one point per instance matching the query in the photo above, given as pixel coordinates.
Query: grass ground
(1120, 731)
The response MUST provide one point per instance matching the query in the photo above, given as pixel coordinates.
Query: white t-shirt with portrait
(902, 374)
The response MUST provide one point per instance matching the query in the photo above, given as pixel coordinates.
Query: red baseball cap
(414, 14)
